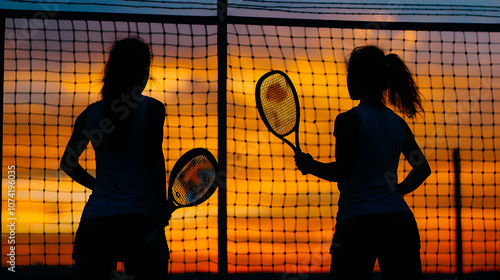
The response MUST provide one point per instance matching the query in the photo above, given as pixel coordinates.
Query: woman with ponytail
(373, 220)
(125, 216)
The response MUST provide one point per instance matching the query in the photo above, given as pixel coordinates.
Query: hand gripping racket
(192, 179)
(278, 106)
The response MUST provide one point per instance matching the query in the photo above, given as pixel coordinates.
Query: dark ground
(64, 273)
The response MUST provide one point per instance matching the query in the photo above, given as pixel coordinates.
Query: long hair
(126, 74)
(384, 78)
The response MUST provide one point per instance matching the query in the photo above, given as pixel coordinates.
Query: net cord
(228, 19)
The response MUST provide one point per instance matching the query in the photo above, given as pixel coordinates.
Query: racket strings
(193, 181)
(278, 104)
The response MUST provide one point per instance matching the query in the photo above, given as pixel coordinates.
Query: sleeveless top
(380, 141)
(122, 180)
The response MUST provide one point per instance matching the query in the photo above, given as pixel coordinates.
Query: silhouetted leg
(147, 252)
(402, 265)
(92, 251)
(351, 264)
(353, 256)
(399, 257)
(148, 270)
(100, 270)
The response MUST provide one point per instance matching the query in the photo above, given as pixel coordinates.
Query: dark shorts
(120, 238)
(392, 238)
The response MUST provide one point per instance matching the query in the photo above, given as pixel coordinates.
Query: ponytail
(402, 90)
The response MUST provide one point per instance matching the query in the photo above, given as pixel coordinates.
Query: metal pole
(222, 142)
(458, 211)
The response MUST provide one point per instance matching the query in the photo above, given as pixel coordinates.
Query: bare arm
(421, 169)
(346, 129)
(76, 145)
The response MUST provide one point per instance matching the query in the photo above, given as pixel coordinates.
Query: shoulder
(408, 133)
(347, 122)
(404, 129)
(80, 120)
(155, 109)
(154, 104)
(403, 123)
(351, 116)
(398, 121)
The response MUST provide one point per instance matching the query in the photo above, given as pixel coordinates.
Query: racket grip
(297, 150)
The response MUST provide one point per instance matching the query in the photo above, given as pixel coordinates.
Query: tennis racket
(193, 179)
(278, 106)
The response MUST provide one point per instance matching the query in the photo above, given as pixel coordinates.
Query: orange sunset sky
(278, 220)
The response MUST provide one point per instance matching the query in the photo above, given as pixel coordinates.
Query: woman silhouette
(373, 219)
(127, 208)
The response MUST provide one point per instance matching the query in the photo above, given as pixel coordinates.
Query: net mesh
(52, 72)
(278, 220)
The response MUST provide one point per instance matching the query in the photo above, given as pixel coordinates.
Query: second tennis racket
(278, 106)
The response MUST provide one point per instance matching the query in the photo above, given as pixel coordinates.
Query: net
(278, 220)
(52, 72)
(281, 221)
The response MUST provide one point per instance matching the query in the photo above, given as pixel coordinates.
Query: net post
(458, 215)
(222, 135)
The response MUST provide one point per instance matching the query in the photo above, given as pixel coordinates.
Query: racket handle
(297, 150)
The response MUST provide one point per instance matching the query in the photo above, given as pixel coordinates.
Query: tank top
(380, 141)
(122, 181)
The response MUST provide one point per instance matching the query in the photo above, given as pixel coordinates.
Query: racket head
(193, 178)
(278, 103)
